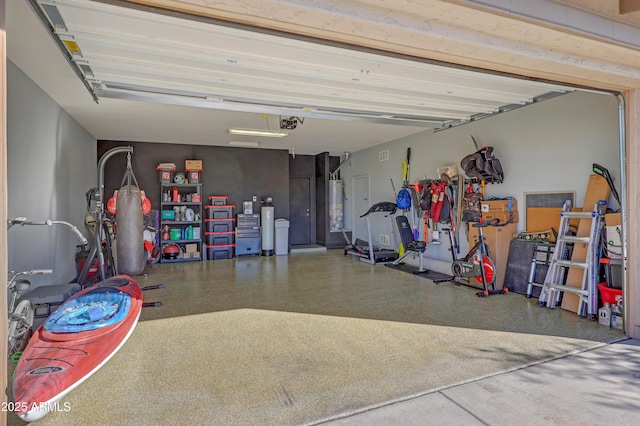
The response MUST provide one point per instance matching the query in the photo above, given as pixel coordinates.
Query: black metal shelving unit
(184, 191)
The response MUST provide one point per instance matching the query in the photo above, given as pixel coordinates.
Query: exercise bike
(21, 315)
(476, 263)
(21, 308)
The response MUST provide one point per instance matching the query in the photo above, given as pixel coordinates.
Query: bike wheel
(489, 271)
(20, 324)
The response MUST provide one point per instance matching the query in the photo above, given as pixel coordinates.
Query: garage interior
(305, 325)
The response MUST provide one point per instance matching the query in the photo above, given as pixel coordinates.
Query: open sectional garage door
(271, 99)
(131, 56)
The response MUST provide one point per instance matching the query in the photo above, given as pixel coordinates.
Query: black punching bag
(130, 254)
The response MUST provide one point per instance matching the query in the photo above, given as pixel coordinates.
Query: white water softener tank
(268, 224)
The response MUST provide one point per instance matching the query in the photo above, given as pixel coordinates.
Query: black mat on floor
(432, 275)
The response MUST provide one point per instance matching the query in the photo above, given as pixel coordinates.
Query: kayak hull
(54, 363)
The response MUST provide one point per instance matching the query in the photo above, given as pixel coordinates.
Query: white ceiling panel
(131, 56)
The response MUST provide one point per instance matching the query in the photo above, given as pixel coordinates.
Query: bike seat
(491, 222)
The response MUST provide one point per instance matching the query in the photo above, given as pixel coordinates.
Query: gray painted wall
(51, 165)
(548, 146)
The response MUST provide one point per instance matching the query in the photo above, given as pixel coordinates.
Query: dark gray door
(300, 211)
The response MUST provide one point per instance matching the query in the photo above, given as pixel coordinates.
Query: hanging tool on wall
(403, 199)
(416, 191)
(599, 170)
(414, 203)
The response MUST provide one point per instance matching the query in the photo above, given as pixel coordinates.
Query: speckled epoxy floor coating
(300, 338)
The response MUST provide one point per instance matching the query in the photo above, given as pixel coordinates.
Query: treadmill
(366, 251)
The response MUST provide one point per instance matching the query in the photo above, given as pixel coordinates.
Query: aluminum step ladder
(553, 285)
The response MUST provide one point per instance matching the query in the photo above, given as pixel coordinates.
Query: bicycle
(20, 315)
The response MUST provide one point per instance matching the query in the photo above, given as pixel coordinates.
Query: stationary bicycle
(21, 315)
(477, 263)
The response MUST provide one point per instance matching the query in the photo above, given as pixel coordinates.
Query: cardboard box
(613, 219)
(195, 165)
(191, 248)
(191, 255)
(503, 216)
(509, 205)
(541, 219)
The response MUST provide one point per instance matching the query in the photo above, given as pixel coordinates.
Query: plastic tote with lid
(282, 237)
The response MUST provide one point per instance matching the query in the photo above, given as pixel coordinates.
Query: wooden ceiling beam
(628, 6)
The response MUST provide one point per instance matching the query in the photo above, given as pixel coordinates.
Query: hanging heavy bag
(130, 254)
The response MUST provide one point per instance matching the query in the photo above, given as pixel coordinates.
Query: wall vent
(549, 198)
(383, 155)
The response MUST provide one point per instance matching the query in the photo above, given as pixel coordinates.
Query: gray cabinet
(248, 234)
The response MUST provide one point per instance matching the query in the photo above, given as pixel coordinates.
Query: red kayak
(73, 343)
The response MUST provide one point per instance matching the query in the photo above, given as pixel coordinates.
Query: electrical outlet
(255, 198)
(384, 239)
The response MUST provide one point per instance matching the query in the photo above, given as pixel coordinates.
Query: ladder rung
(578, 215)
(574, 239)
(570, 264)
(567, 289)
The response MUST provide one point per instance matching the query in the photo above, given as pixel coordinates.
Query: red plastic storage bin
(609, 294)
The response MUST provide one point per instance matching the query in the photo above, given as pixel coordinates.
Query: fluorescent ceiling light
(247, 132)
(238, 143)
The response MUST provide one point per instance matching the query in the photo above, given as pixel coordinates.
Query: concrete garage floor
(314, 338)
